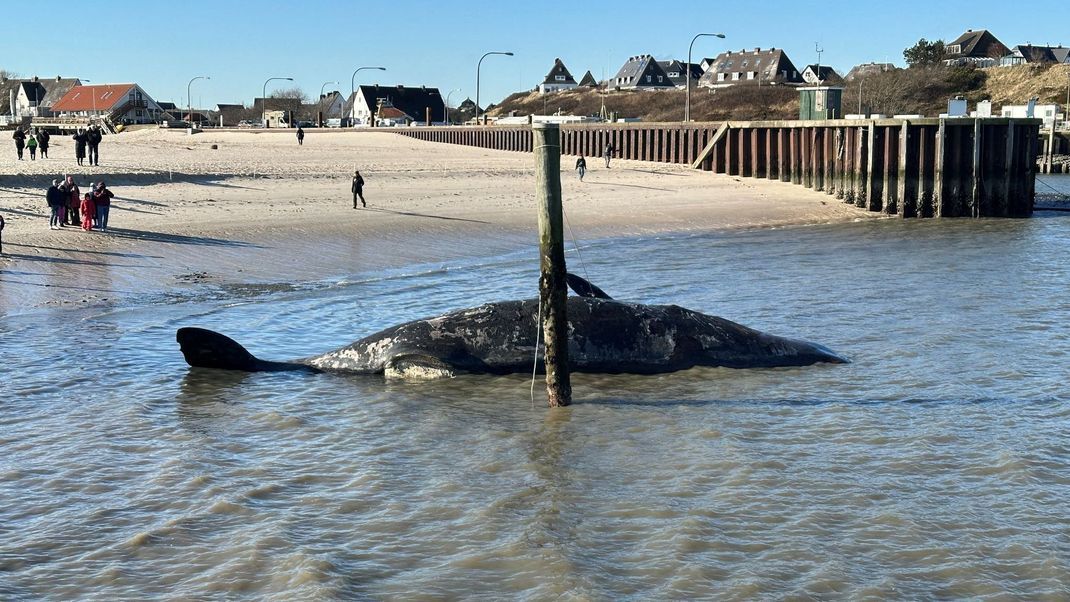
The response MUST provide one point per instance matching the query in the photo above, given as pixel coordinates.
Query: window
(661, 79)
(649, 79)
(735, 76)
(559, 78)
(954, 49)
(720, 77)
(674, 74)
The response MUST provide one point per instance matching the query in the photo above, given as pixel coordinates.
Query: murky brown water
(934, 466)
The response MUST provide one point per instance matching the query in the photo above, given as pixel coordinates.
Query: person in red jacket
(88, 211)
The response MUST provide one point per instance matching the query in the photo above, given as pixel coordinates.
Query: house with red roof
(122, 103)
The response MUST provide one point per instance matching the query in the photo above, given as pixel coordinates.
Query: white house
(417, 103)
(122, 103)
(1047, 113)
(557, 79)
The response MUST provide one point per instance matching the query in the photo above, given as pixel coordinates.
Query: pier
(961, 167)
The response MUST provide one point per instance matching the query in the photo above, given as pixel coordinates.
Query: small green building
(820, 102)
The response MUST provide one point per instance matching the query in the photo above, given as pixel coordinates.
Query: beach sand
(261, 209)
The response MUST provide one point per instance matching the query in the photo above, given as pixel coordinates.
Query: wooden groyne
(959, 167)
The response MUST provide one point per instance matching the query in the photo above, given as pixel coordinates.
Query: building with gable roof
(979, 48)
(122, 103)
(770, 66)
(1028, 54)
(588, 80)
(557, 79)
(677, 72)
(642, 72)
(33, 97)
(827, 75)
(414, 102)
(867, 69)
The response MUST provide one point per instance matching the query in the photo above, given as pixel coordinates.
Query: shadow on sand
(443, 217)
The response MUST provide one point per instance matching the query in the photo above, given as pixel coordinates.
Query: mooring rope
(1064, 196)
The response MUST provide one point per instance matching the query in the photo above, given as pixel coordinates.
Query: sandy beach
(259, 208)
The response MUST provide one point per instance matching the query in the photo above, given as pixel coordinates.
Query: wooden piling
(552, 285)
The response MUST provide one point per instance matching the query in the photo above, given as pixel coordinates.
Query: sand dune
(260, 208)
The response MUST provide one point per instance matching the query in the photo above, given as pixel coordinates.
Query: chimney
(58, 78)
(757, 50)
(35, 79)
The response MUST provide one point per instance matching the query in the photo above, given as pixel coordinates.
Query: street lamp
(263, 115)
(325, 84)
(478, 65)
(448, 104)
(189, 99)
(687, 105)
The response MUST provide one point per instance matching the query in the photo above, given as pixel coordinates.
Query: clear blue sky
(240, 44)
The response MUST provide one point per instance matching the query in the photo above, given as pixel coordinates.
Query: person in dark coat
(74, 199)
(102, 199)
(42, 142)
(358, 190)
(94, 138)
(608, 153)
(56, 202)
(300, 135)
(81, 139)
(20, 141)
(581, 167)
(1, 235)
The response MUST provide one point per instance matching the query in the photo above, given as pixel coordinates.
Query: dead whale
(605, 336)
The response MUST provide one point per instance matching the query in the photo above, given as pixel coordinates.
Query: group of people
(90, 139)
(31, 141)
(66, 202)
(86, 142)
(581, 163)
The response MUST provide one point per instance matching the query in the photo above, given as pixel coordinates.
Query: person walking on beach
(81, 139)
(1, 235)
(608, 153)
(88, 211)
(581, 166)
(31, 144)
(56, 202)
(20, 141)
(358, 189)
(102, 199)
(42, 141)
(94, 138)
(300, 136)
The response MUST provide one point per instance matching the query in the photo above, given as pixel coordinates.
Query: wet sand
(261, 209)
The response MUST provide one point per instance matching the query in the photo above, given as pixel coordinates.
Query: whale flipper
(583, 288)
(208, 349)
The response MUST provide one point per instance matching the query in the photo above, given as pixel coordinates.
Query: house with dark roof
(230, 114)
(588, 80)
(979, 48)
(770, 66)
(557, 79)
(641, 72)
(33, 97)
(678, 73)
(827, 75)
(122, 103)
(415, 102)
(1035, 55)
(330, 106)
(867, 69)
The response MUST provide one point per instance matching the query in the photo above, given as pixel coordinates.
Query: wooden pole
(552, 287)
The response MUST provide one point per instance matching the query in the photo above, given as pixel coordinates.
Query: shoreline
(294, 223)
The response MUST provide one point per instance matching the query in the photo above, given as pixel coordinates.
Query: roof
(92, 98)
(977, 43)
(636, 67)
(675, 66)
(412, 100)
(827, 73)
(588, 80)
(393, 113)
(34, 91)
(869, 69)
(53, 89)
(770, 64)
(559, 69)
(1041, 54)
(167, 106)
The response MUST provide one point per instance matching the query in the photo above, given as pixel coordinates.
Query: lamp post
(189, 98)
(353, 85)
(448, 103)
(263, 115)
(325, 84)
(478, 65)
(687, 102)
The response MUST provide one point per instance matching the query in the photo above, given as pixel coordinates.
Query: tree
(924, 53)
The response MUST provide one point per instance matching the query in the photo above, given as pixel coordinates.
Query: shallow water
(934, 466)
